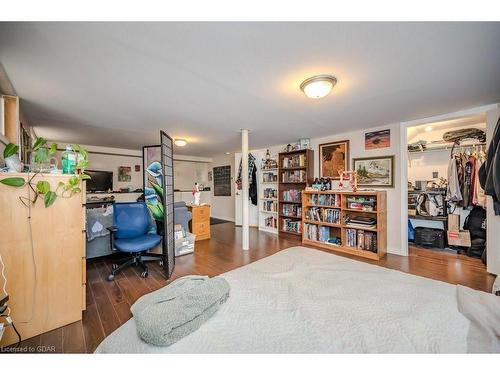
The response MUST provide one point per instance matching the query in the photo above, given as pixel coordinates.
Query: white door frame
(403, 152)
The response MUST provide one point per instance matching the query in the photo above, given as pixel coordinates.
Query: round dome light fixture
(319, 86)
(180, 142)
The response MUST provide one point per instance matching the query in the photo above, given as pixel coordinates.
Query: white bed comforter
(301, 300)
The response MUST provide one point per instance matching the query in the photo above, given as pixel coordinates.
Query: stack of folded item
(362, 221)
(173, 312)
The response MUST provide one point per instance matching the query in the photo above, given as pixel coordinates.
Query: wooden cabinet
(44, 258)
(200, 223)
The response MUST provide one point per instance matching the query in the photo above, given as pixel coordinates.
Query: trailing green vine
(42, 188)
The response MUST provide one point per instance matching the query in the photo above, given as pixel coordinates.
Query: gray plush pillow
(168, 315)
(483, 311)
(175, 288)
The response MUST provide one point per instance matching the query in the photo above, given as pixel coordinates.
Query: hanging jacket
(489, 173)
(453, 192)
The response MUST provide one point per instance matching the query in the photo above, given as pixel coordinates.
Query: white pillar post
(245, 229)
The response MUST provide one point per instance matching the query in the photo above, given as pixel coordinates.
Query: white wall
(492, 221)
(186, 173)
(223, 207)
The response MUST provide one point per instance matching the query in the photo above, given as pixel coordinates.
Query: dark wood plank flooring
(108, 303)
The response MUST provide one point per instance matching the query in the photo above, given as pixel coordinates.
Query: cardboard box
(453, 222)
(459, 238)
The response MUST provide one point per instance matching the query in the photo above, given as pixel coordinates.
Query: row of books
(362, 203)
(269, 177)
(329, 215)
(294, 176)
(270, 193)
(291, 210)
(361, 239)
(292, 195)
(294, 161)
(270, 206)
(271, 222)
(290, 225)
(325, 199)
(321, 233)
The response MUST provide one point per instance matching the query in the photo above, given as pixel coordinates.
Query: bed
(301, 300)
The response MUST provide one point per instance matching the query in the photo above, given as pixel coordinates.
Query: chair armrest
(112, 230)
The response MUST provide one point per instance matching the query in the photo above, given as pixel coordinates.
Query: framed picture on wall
(378, 139)
(333, 156)
(376, 171)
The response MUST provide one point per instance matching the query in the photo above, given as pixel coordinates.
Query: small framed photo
(305, 143)
(376, 171)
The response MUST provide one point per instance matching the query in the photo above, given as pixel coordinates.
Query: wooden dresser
(200, 223)
(46, 281)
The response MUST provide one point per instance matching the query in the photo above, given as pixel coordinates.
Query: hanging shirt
(453, 192)
(480, 196)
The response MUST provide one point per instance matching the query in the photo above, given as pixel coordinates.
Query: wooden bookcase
(268, 200)
(286, 184)
(340, 229)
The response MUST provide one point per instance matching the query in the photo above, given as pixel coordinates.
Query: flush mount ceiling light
(317, 87)
(180, 142)
(428, 128)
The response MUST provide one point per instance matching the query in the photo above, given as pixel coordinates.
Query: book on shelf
(294, 161)
(358, 238)
(320, 233)
(270, 206)
(325, 199)
(290, 209)
(292, 195)
(269, 177)
(328, 215)
(290, 225)
(361, 221)
(362, 203)
(270, 193)
(298, 176)
(271, 222)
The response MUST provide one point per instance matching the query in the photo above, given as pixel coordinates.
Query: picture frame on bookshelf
(375, 171)
(333, 156)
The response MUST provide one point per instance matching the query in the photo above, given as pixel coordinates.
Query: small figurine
(196, 195)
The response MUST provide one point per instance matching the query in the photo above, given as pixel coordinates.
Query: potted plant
(11, 157)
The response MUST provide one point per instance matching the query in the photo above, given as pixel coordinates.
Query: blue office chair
(129, 234)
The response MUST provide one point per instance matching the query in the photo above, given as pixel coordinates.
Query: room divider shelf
(367, 241)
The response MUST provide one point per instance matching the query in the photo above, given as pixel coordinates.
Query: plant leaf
(156, 211)
(53, 148)
(13, 181)
(74, 181)
(40, 141)
(10, 149)
(42, 187)
(84, 176)
(49, 198)
(41, 155)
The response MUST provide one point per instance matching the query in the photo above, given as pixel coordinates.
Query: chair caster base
(114, 266)
(111, 277)
(144, 274)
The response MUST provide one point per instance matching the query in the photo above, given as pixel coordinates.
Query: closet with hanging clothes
(446, 203)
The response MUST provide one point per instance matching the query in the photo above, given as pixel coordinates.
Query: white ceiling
(118, 84)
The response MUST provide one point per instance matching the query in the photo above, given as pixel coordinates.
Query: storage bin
(185, 245)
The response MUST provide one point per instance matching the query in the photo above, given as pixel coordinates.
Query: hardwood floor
(108, 303)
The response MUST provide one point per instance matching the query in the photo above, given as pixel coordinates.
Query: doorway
(446, 205)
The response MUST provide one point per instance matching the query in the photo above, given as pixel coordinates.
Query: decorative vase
(14, 163)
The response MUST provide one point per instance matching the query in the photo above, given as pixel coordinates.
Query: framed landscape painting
(375, 171)
(333, 156)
